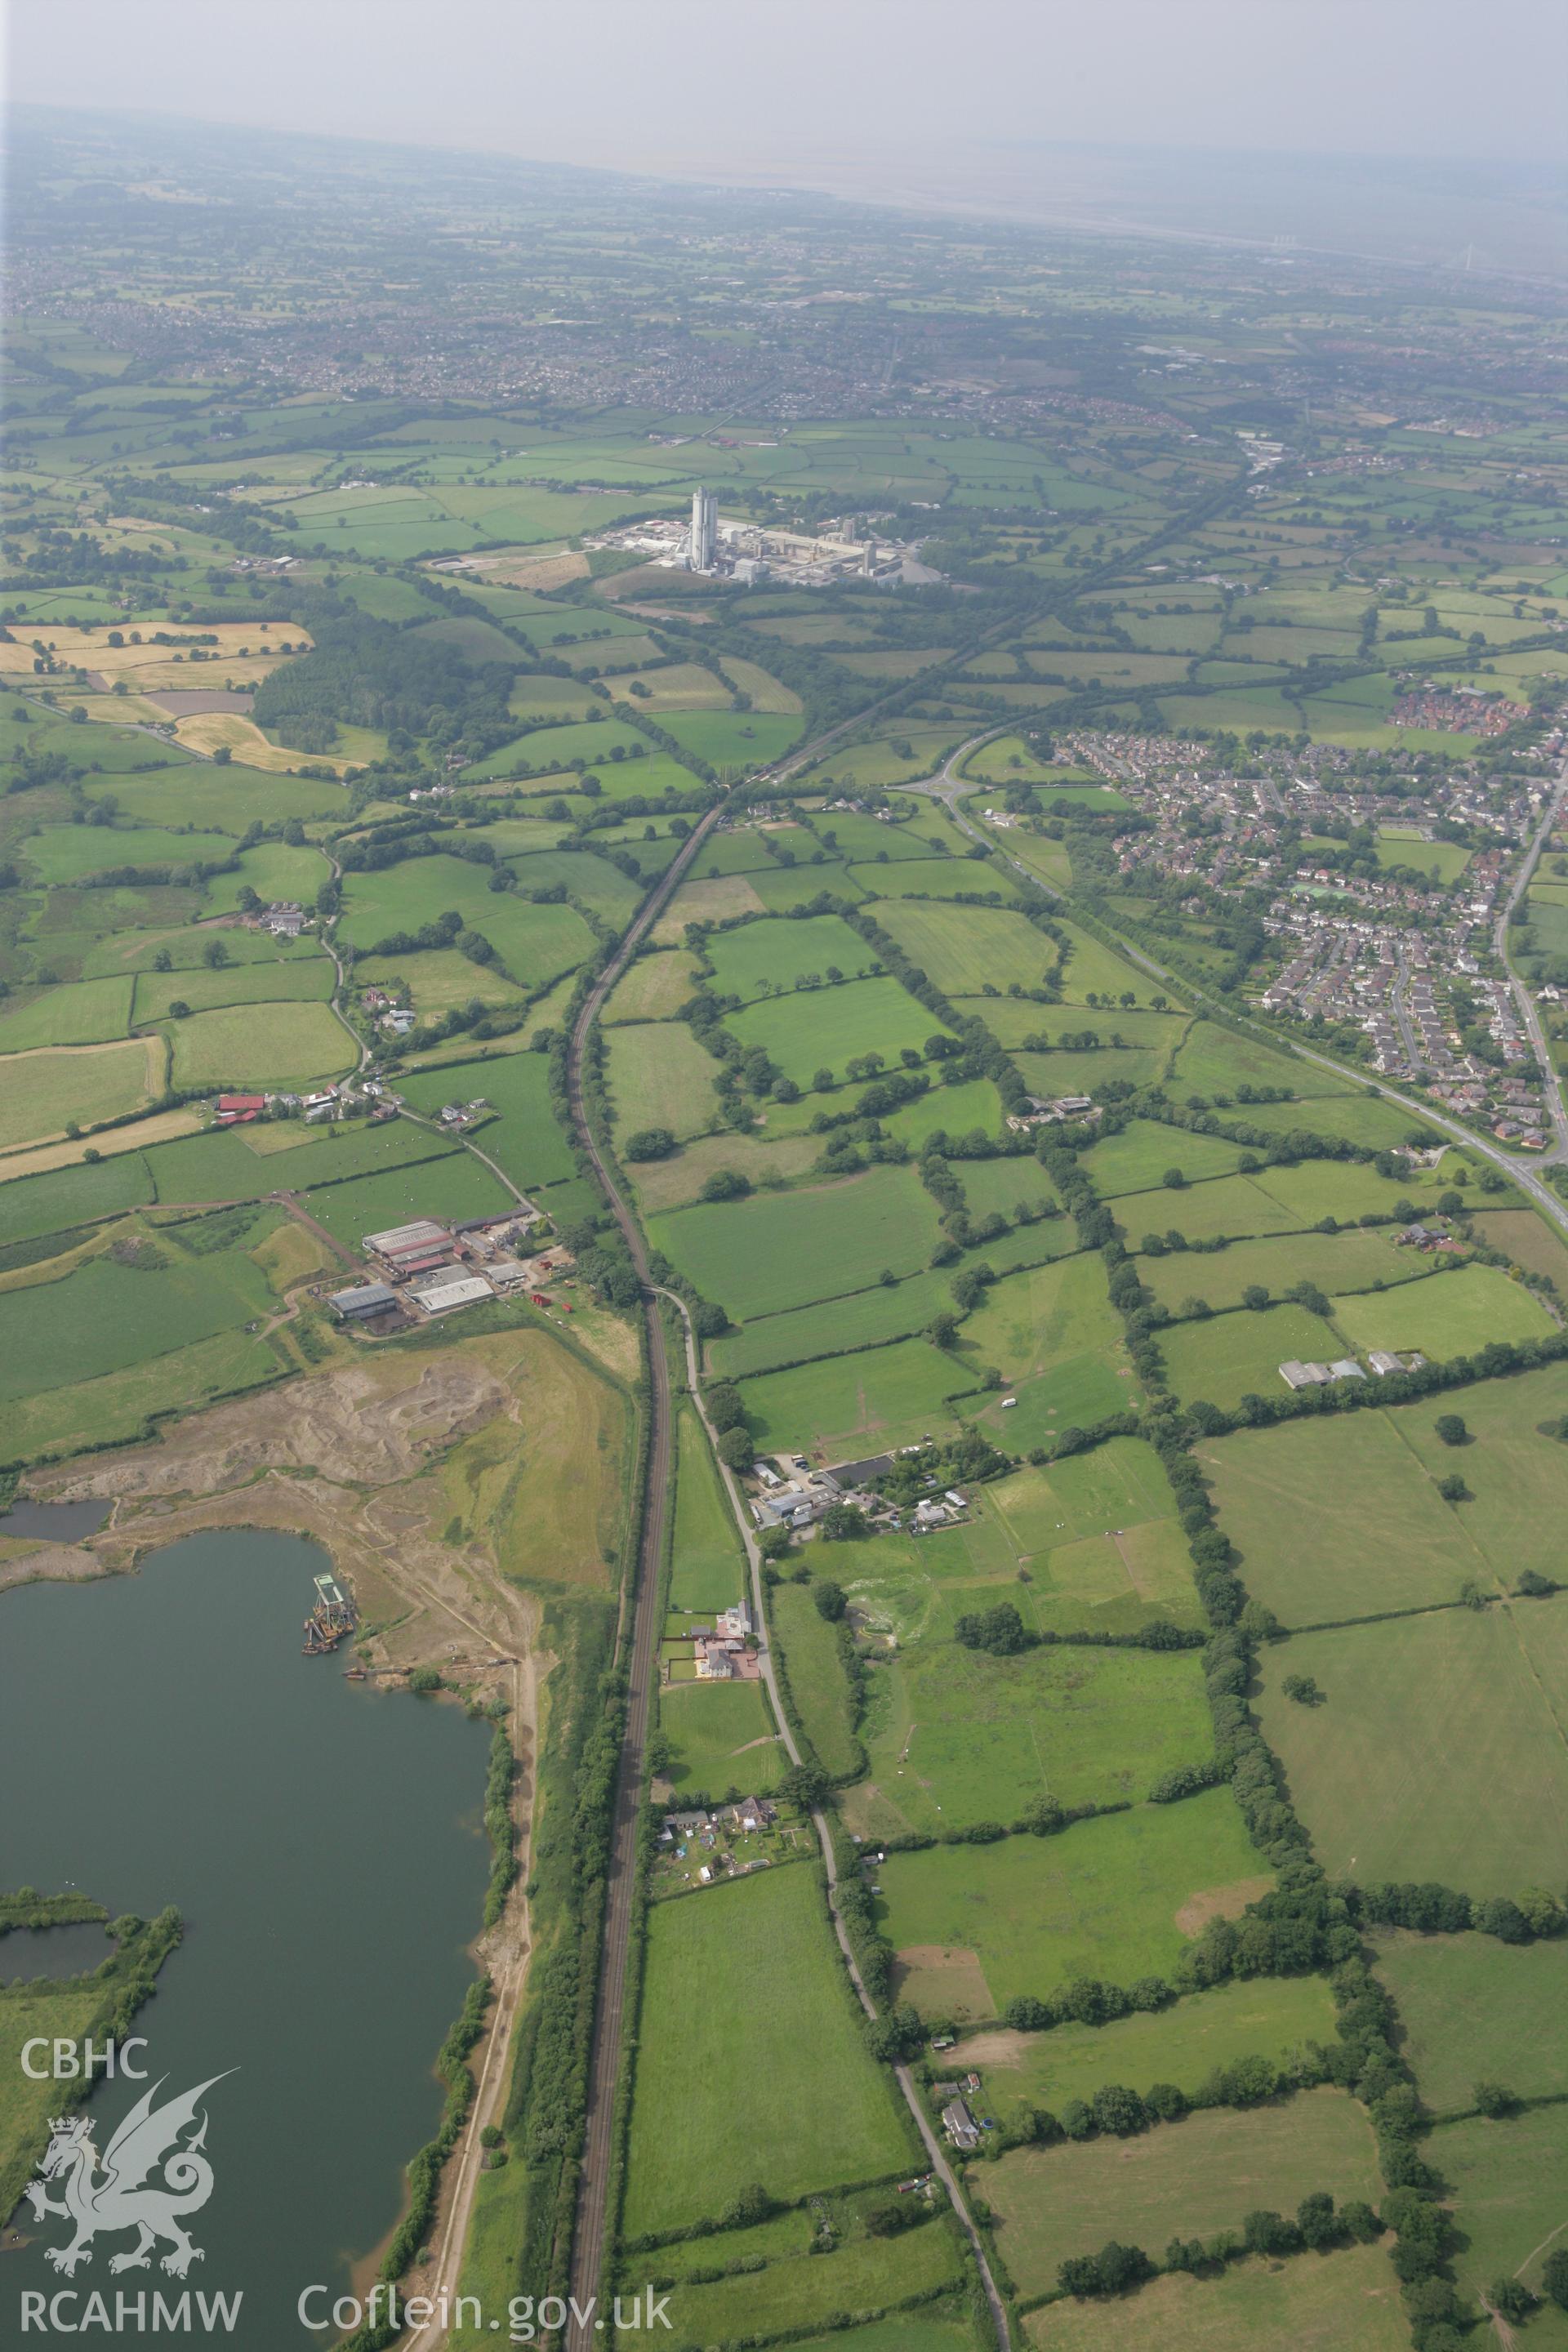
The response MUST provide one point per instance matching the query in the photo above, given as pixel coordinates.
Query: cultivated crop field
(832, 2117)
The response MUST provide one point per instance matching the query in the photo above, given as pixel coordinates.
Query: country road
(934, 2155)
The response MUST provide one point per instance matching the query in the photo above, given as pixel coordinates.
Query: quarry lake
(163, 1741)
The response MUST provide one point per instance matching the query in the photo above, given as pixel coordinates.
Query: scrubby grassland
(818, 1681)
(969, 1737)
(1323, 2304)
(1266, 2017)
(832, 2114)
(1099, 1899)
(1475, 2011)
(755, 1257)
(720, 1736)
(551, 1508)
(654, 989)
(709, 1570)
(1186, 2179)
(57, 2010)
(1437, 1752)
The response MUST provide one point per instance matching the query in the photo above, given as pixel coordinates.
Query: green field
(452, 1187)
(41, 1091)
(863, 2275)
(1504, 2181)
(284, 1045)
(837, 1326)
(654, 989)
(1472, 2010)
(1323, 2304)
(64, 852)
(1338, 1517)
(847, 1404)
(1215, 1060)
(127, 1404)
(961, 948)
(833, 2115)
(678, 1182)
(934, 2327)
(658, 1076)
(1100, 1899)
(1225, 1208)
(818, 1681)
(524, 1137)
(105, 1316)
(65, 1197)
(1457, 1315)
(82, 1013)
(1049, 1319)
(243, 1163)
(1515, 1466)
(1437, 1751)
(1186, 2179)
(296, 980)
(780, 1250)
(962, 1737)
(1337, 1263)
(1264, 2017)
(709, 1568)
(721, 1736)
(1226, 1357)
(769, 959)
(828, 1028)
(1136, 1159)
(1380, 1125)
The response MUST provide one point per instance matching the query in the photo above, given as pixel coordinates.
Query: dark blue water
(163, 1741)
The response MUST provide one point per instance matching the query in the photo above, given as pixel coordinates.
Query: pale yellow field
(687, 686)
(206, 731)
(124, 708)
(91, 649)
(766, 691)
(524, 567)
(160, 1129)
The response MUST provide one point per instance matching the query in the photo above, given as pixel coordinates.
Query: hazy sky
(789, 88)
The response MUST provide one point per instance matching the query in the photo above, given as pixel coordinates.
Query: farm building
(445, 1297)
(369, 1299)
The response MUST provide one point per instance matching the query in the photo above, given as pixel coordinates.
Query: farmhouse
(960, 2126)
(714, 1663)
